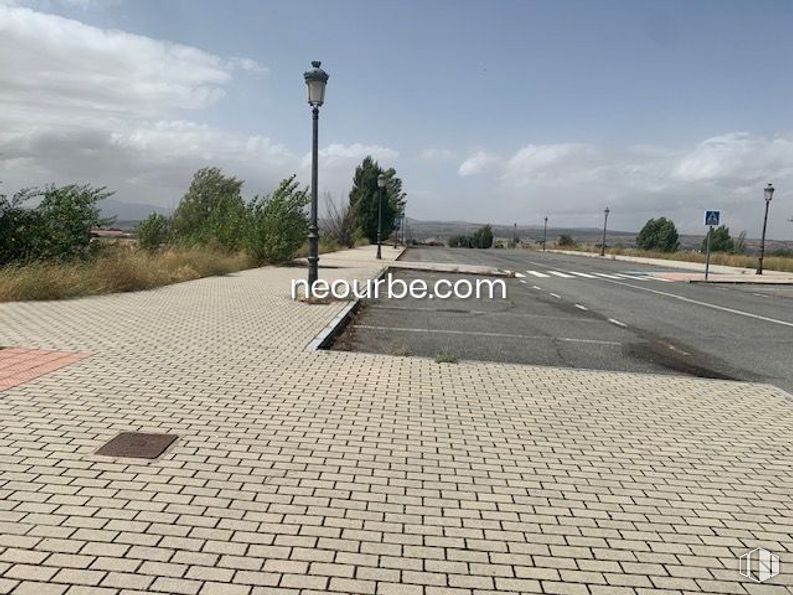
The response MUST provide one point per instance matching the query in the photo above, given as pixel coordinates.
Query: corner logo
(759, 565)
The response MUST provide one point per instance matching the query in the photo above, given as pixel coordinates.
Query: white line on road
(537, 274)
(560, 274)
(519, 275)
(634, 277)
(585, 275)
(580, 307)
(483, 334)
(522, 281)
(557, 296)
(708, 305)
(618, 323)
(606, 276)
(536, 287)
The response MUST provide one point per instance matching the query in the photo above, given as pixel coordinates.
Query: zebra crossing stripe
(585, 275)
(560, 274)
(634, 277)
(604, 275)
(536, 274)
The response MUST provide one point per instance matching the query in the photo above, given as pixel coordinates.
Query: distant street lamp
(769, 194)
(544, 233)
(605, 223)
(381, 179)
(316, 79)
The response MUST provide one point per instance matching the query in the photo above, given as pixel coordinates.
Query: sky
(493, 111)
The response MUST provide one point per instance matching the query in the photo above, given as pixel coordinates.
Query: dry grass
(115, 271)
(772, 263)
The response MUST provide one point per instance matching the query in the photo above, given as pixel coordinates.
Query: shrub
(658, 234)
(153, 231)
(277, 224)
(720, 240)
(212, 212)
(565, 240)
(58, 228)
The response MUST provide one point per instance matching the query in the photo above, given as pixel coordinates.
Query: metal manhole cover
(137, 445)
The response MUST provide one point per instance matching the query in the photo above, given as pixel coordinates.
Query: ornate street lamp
(316, 79)
(605, 223)
(768, 195)
(381, 180)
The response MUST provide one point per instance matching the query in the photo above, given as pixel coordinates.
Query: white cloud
(576, 180)
(436, 154)
(478, 163)
(83, 104)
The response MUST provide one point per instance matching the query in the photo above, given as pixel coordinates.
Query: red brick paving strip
(19, 365)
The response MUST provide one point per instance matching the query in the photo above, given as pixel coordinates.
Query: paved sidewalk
(313, 472)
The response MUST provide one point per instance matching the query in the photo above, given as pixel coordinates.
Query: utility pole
(544, 233)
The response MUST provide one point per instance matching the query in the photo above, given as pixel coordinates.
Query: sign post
(711, 219)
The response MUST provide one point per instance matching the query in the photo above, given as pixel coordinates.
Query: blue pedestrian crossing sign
(712, 217)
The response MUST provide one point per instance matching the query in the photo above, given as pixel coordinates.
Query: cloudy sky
(495, 111)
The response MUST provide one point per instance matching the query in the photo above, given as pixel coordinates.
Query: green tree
(59, 227)
(153, 231)
(277, 224)
(212, 212)
(364, 198)
(720, 240)
(483, 237)
(659, 234)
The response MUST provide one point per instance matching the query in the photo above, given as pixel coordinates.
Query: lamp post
(544, 233)
(381, 179)
(316, 79)
(606, 212)
(769, 194)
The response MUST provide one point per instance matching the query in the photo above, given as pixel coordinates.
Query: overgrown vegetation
(49, 251)
(57, 228)
(774, 261)
(566, 241)
(481, 238)
(116, 269)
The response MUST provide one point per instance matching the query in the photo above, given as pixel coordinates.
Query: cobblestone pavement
(304, 472)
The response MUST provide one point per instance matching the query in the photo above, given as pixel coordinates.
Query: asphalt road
(589, 313)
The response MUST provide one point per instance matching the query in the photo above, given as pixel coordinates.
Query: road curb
(336, 326)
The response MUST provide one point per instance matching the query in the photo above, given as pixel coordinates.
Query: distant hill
(129, 213)
(442, 230)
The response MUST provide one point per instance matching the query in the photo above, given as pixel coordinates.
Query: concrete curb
(335, 327)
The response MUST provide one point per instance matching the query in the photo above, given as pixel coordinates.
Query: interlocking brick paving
(18, 365)
(300, 472)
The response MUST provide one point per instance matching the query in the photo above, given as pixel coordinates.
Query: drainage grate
(137, 445)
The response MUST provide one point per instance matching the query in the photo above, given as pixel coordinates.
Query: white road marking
(606, 276)
(661, 279)
(519, 275)
(617, 322)
(522, 281)
(537, 274)
(536, 287)
(585, 275)
(557, 296)
(634, 277)
(484, 334)
(560, 274)
(680, 351)
(708, 305)
(580, 307)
